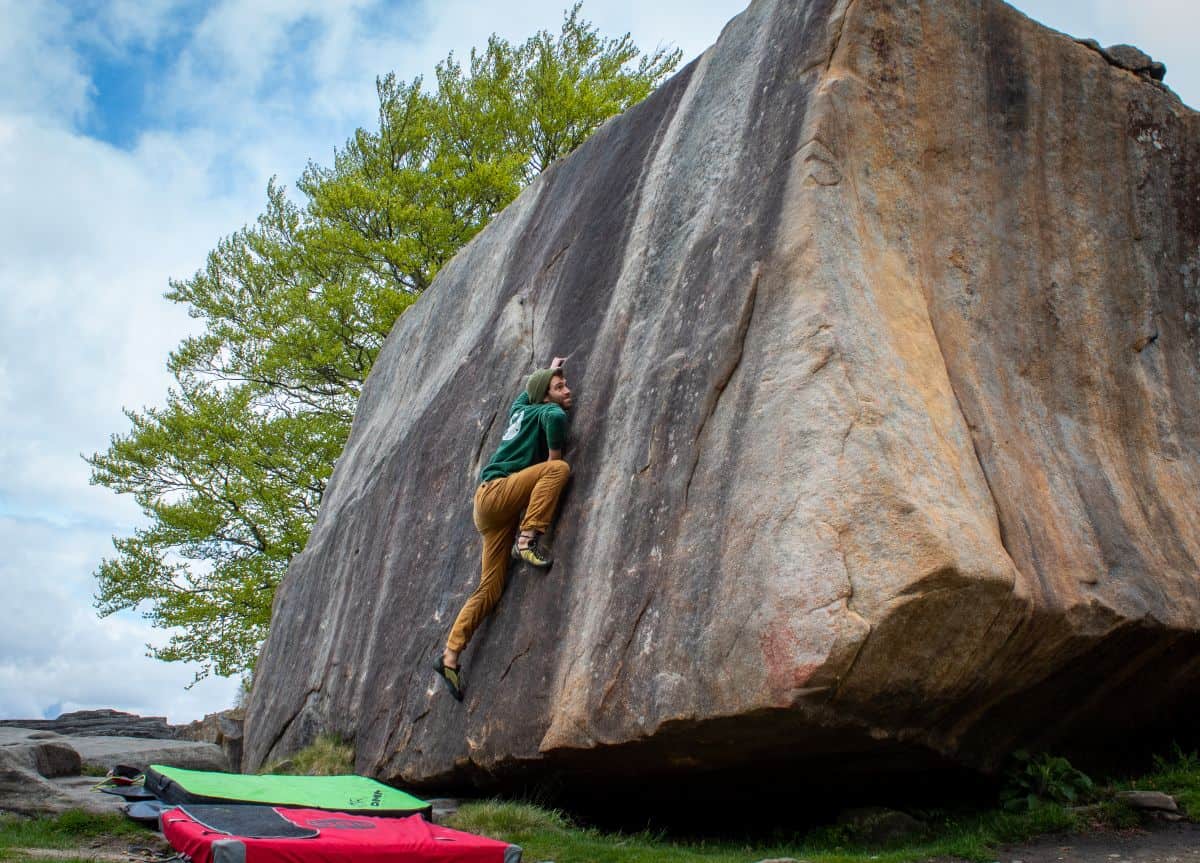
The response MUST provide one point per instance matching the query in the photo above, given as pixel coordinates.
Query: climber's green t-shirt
(533, 430)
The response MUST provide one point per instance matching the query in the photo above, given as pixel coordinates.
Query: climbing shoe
(534, 554)
(452, 677)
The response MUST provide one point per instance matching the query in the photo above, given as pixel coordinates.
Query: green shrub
(1043, 777)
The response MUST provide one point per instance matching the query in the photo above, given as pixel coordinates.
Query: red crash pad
(340, 837)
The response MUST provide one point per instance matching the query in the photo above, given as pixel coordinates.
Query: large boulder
(53, 755)
(99, 723)
(40, 770)
(105, 753)
(26, 792)
(225, 729)
(885, 331)
(40, 752)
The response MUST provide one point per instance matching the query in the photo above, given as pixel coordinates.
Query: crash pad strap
(129, 792)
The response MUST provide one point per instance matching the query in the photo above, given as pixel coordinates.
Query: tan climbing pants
(498, 502)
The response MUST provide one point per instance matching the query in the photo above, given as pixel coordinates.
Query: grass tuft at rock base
(1177, 774)
(328, 755)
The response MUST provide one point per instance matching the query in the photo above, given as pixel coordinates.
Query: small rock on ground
(1151, 800)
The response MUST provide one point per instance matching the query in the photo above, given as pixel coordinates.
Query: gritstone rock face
(886, 325)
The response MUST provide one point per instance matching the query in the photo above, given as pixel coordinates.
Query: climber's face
(559, 393)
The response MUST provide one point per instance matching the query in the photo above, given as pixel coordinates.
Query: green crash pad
(354, 794)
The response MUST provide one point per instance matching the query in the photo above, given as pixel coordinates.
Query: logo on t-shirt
(514, 426)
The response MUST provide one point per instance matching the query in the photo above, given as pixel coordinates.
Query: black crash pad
(246, 820)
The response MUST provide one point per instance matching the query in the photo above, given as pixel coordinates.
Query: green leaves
(296, 307)
(399, 202)
(1036, 778)
(573, 83)
(230, 490)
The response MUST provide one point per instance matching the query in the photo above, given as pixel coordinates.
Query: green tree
(295, 309)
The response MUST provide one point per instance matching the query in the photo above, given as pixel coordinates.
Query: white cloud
(55, 651)
(88, 239)
(43, 76)
(119, 25)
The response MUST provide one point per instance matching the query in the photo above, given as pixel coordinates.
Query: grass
(328, 755)
(549, 835)
(1177, 774)
(69, 830)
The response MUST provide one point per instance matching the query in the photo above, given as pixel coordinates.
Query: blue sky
(123, 76)
(134, 134)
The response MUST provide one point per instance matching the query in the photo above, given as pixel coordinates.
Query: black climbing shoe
(452, 677)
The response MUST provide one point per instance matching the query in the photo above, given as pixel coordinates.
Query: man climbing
(526, 473)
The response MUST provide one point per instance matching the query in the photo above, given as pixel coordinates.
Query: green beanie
(539, 384)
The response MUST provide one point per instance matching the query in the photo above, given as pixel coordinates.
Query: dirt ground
(1163, 843)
